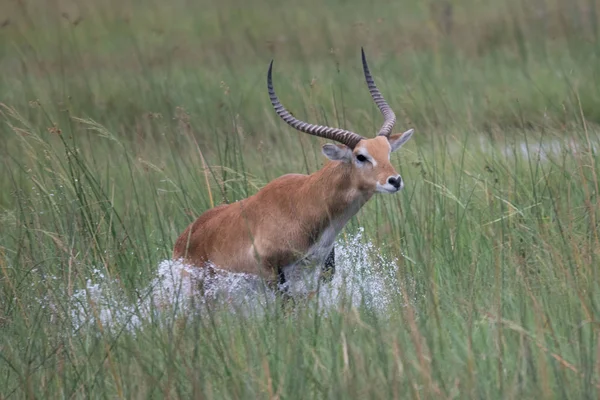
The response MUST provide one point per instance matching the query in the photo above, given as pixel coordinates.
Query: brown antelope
(295, 218)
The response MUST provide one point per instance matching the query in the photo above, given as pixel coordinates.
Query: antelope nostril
(395, 181)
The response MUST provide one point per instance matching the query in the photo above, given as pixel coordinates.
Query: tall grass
(123, 121)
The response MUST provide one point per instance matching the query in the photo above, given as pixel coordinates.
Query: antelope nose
(395, 181)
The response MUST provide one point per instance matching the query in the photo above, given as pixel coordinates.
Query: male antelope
(295, 218)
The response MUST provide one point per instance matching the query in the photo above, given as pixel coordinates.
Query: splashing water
(363, 277)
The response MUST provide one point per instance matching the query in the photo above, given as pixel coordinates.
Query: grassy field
(121, 121)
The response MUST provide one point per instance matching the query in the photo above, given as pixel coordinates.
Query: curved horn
(388, 114)
(348, 138)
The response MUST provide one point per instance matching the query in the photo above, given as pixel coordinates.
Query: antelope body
(294, 219)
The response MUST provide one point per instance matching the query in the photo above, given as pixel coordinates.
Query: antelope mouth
(387, 188)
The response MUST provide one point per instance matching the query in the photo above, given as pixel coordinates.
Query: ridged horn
(388, 114)
(348, 138)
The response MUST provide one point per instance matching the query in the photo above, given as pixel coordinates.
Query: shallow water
(542, 150)
(363, 278)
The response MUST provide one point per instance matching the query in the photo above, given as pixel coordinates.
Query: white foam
(363, 277)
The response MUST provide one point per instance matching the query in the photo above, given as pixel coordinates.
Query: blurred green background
(122, 121)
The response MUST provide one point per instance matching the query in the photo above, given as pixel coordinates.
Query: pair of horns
(348, 138)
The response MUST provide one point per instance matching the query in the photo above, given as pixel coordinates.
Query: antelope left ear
(397, 140)
(337, 152)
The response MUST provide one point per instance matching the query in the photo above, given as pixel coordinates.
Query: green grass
(123, 120)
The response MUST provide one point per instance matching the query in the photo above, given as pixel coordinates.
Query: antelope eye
(361, 158)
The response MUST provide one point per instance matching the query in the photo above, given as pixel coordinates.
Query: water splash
(363, 278)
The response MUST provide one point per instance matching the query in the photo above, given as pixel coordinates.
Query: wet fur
(263, 233)
(294, 219)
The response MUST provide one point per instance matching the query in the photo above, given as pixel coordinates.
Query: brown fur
(278, 225)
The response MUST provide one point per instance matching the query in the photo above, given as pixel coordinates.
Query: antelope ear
(337, 152)
(397, 140)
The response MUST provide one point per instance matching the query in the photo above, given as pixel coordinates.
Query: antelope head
(369, 158)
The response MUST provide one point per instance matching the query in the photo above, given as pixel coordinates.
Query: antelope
(294, 219)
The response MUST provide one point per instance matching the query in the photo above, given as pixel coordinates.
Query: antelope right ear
(337, 152)
(397, 140)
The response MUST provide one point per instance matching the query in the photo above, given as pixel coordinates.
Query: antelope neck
(332, 190)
